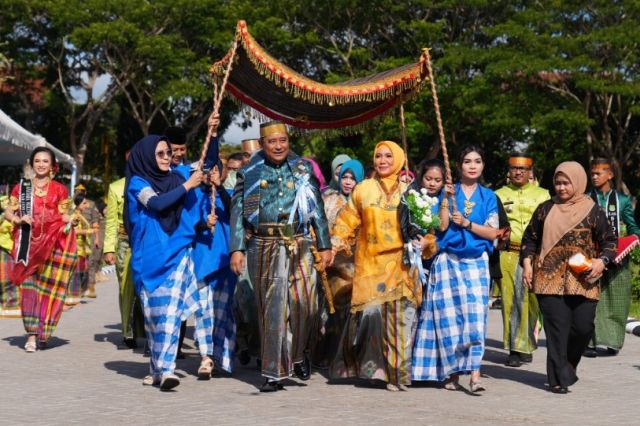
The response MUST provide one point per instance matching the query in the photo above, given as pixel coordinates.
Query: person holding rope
(275, 206)
(453, 318)
(160, 216)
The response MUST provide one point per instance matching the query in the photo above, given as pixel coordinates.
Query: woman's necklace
(468, 205)
(42, 189)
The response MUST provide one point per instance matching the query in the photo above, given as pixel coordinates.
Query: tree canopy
(558, 79)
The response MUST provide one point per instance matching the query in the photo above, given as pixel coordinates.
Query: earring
(51, 174)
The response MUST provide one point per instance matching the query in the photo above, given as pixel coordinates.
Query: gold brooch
(468, 207)
(290, 184)
(263, 184)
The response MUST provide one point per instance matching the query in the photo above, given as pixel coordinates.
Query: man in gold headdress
(520, 312)
(276, 204)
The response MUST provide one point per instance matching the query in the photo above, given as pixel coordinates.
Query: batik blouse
(593, 237)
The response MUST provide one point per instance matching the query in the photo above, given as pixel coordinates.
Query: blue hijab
(142, 163)
(356, 169)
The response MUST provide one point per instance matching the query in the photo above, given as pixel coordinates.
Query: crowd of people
(383, 274)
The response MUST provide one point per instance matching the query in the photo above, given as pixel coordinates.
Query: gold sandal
(206, 369)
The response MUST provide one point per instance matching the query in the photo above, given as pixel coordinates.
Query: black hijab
(142, 163)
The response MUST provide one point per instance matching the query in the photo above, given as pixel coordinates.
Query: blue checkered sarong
(215, 326)
(165, 308)
(453, 318)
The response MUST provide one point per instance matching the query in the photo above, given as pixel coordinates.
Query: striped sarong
(284, 279)
(44, 293)
(9, 292)
(453, 318)
(165, 308)
(520, 312)
(377, 342)
(613, 307)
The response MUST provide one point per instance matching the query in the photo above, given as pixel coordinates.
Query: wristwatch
(605, 260)
(468, 227)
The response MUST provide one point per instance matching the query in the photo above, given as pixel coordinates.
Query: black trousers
(568, 326)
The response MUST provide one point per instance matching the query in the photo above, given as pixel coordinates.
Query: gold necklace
(39, 191)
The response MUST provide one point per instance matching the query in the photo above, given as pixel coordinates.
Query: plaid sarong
(613, 307)
(74, 290)
(215, 329)
(165, 308)
(453, 317)
(44, 293)
(9, 292)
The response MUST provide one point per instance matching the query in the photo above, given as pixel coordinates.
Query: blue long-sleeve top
(211, 251)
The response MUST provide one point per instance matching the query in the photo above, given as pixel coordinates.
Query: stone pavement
(87, 378)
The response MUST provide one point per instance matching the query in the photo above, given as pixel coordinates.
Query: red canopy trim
(278, 92)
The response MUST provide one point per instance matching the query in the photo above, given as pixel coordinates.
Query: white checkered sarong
(165, 308)
(453, 318)
(215, 328)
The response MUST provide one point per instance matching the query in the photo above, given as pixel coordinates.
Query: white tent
(16, 144)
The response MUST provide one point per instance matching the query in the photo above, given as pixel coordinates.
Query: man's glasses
(164, 154)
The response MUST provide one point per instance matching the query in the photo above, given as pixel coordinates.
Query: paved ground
(85, 377)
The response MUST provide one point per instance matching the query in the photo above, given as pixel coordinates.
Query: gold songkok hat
(518, 160)
(80, 187)
(250, 145)
(272, 127)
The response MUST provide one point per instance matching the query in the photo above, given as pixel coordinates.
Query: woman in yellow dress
(83, 230)
(377, 340)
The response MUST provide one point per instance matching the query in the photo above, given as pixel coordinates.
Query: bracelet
(468, 227)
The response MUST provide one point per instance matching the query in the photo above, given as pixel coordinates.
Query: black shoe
(528, 358)
(497, 304)
(130, 342)
(590, 353)
(560, 390)
(513, 360)
(612, 351)
(302, 369)
(270, 385)
(244, 357)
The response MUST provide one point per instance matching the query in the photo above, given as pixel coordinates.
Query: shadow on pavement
(113, 326)
(19, 341)
(135, 370)
(520, 375)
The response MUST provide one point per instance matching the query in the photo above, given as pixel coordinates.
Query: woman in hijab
(340, 274)
(336, 164)
(160, 215)
(377, 340)
(569, 224)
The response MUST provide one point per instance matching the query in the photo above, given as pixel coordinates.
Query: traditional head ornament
(80, 187)
(520, 160)
(601, 163)
(272, 127)
(250, 145)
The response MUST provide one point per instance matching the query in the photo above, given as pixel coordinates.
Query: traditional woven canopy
(270, 87)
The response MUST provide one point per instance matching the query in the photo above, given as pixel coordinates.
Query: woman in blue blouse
(451, 330)
(161, 213)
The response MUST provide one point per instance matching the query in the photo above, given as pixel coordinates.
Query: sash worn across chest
(612, 210)
(26, 209)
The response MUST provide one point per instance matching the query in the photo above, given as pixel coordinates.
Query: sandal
(476, 386)
(206, 369)
(452, 385)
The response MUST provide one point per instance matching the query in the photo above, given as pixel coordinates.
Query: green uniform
(615, 297)
(117, 242)
(520, 312)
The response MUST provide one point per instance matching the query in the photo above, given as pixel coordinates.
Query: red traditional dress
(51, 259)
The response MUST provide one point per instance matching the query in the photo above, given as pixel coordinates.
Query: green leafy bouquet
(420, 207)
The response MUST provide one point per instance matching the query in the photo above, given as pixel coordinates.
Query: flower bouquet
(420, 207)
